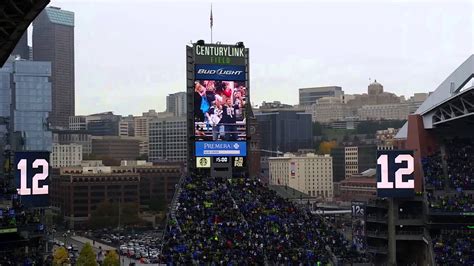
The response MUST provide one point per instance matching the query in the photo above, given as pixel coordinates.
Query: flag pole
(211, 21)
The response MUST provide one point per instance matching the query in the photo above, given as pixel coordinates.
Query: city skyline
(364, 40)
(348, 159)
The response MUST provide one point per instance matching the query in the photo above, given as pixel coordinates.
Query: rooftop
(58, 16)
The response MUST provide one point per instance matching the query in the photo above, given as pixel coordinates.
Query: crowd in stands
(460, 160)
(240, 222)
(458, 180)
(452, 194)
(14, 217)
(454, 248)
(458, 202)
(433, 170)
(460, 166)
(358, 234)
(12, 259)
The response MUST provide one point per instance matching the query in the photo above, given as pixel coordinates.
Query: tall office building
(176, 103)
(141, 128)
(359, 158)
(66, 155)
(115, 148)
(124, 128)
(22, 49)
(78, 122)
(339, 163)
(285, 130)
(25, 98)
(130, 121)
(167, 139)
(53, 41)
(103, 124)
(310, 96)
(81, 137)
(352, 160)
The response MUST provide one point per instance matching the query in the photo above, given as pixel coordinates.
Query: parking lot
(142, 246)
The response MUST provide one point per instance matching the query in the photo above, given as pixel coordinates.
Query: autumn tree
(111, 259)
(60, 256)
(326, 146)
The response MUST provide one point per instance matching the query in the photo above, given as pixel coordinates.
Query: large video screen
(219, 110)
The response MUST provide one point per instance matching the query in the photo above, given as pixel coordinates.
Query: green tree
(111, 259)
(60, 256)
(346, 138)
(356, 140)
(370, 127)
(87, 256)
(129, 214)
(317, 129)
(105, 215)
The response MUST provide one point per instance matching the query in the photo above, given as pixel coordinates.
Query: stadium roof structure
(452, 100)
(15, 17)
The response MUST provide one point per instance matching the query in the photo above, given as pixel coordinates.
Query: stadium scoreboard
(32, 177)
(218, 93)
(395, 174)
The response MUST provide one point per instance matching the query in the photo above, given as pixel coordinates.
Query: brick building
(359, 187)
(77, 191)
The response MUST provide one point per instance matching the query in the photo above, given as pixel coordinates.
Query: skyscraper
(22, 49)
(176, 103)
(25, 91)
(285, 130)
(167, 139)
(53, 40)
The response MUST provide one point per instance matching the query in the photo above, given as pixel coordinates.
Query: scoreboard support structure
(392, 243)
(221, 169)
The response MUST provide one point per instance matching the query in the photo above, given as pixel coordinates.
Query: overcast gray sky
(131, 54)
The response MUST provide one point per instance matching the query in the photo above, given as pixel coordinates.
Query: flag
(211, 18)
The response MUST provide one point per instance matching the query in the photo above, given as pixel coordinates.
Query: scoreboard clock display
(32, 176)
(395, 178)
(221, 159)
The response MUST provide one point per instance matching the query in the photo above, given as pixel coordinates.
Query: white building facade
(310, 174)
(66, 155)
(352, 160)
(384, 111)
(167, 139)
